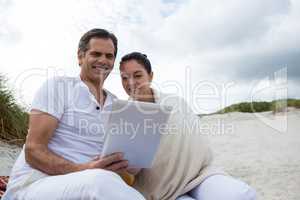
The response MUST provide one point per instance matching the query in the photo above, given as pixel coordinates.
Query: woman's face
(135, 79)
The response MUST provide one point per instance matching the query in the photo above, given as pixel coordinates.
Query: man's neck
(96, 88)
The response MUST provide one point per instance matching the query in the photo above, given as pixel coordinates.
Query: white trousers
(93, 184)
(218, 187)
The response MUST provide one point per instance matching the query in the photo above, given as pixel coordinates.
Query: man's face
(98, 61)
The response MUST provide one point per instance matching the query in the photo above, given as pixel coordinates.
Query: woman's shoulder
(169, 99)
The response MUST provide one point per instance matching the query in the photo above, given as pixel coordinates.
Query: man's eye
(124, 78)
(110, 56)
(95, 54)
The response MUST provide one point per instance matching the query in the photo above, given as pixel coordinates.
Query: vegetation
(13, 118)
(263, 106)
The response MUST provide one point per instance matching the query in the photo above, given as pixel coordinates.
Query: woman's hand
(142, 94)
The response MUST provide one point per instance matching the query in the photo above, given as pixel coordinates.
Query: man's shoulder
(62, 80)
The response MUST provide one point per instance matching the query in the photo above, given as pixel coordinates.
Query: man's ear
(80, 55)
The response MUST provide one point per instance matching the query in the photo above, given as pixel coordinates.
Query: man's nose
(102, 59)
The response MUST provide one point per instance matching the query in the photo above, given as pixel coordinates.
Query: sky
(213, 53)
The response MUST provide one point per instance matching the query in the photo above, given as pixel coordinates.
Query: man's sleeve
(50, 98)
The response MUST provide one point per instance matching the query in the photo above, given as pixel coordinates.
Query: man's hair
(139, 58)
(97, 33)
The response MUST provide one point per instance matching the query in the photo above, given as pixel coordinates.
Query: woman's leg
(223, 187)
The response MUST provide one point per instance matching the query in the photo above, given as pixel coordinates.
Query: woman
(182, 168)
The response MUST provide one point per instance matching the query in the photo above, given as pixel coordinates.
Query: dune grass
(263, 106)
(13, 118)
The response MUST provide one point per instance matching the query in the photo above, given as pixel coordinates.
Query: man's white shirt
(80, 134)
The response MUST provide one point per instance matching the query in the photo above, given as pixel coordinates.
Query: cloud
(226, 41)
(235, 39)
(277, 48)
(9, 34)
(258, 66)
(220, 41)
(231, 35)
(209, 25)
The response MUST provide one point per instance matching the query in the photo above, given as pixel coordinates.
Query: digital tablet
(135, 128)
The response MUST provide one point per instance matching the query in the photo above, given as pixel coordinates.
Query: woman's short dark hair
(97, 33)
(140, 58)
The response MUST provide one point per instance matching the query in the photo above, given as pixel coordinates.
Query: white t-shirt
(80, 133)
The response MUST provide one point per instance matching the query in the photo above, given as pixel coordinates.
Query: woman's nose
(131, 82)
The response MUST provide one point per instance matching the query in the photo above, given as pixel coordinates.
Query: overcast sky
(211, 52)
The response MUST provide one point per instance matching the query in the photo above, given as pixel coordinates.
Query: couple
(60, 159)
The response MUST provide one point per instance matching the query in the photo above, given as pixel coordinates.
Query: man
(60, 159)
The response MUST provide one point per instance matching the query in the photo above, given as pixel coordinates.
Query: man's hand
(133, 171)
(113, 162)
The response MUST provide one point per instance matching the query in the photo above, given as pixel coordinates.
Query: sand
(252, 147)
(255, 152)
(8, 155)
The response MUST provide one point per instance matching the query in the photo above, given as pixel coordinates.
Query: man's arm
(37, 154)
(41, 129)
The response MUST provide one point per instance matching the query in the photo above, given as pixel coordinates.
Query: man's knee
(100, 177)
(109, 185)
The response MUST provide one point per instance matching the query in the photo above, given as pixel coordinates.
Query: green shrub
(279, 106)
(13, 118)
(263, 106)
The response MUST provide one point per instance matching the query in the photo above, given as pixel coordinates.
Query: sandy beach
(254, 148)
(259, 154)
(8, 155)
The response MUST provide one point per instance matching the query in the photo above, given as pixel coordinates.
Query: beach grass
(13, 118)
(275, 106)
